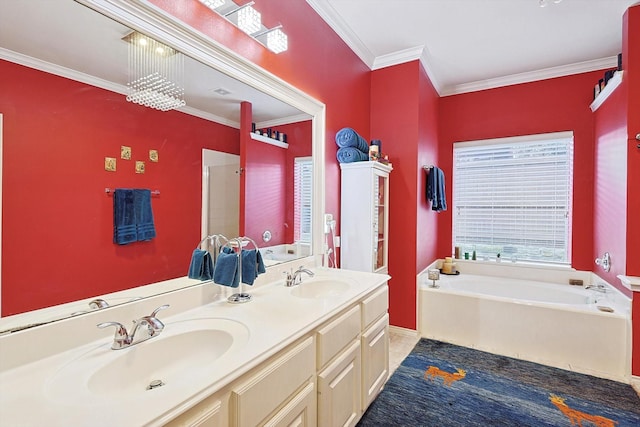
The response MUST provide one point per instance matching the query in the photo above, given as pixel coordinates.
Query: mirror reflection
(66, 131)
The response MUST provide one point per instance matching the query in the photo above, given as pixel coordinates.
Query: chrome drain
(155, 384)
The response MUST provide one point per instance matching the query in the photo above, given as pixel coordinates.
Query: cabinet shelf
(268, 140)
(612, 84)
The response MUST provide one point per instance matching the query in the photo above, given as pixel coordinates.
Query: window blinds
(302, 182)
(513, 197)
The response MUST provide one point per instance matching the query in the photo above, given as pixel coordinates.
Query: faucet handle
(162, 307)
(121, 336)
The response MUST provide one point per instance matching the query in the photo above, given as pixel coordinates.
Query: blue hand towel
(124, 218)
(436, 189)
(252, 266)
(201, 266)
(347, 137)
(145, 228)
(225, 271)
(350, 155)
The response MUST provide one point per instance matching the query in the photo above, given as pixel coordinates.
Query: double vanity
(311, 354)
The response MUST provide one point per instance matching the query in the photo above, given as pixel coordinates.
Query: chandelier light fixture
(249, 20)
(156, 73)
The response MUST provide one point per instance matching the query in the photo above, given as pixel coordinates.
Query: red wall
(404, 107)
(265, 182)
(610, 188)
(559, 104)
(631, 81)
(57, 219)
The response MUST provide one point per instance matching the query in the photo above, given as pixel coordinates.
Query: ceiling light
(156, 73)
(212, 4)
(277, 41)
(249, 19)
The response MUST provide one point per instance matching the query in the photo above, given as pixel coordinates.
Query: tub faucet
(144, 328)
(295, 278)
(599, 287)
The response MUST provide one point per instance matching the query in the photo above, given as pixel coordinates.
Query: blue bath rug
(444, 385)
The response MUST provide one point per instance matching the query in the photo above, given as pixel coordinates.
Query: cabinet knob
(638, 137)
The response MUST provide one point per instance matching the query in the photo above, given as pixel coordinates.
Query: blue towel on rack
(350, 155)
(436, 189)
(124, 217)
(225, 271)
(145, 228)
(252, 265)
(347, 137)
(201, 266)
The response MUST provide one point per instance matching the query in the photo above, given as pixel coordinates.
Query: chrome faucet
(599, 287)
(144, 328)
(295, 277)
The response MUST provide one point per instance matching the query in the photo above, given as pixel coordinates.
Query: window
(302, 187)
(512, 196)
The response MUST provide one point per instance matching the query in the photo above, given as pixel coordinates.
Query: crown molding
(343, 30)
(531, 76)
(398, 57)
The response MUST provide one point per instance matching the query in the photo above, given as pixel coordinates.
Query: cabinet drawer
(337, 334)
(207, 413)
(253, 400)
(375, 306)
(299, 412)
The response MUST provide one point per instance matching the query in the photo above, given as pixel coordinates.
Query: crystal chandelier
(156, 73)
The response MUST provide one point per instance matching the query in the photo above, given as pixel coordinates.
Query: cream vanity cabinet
(364, 221)
(326, 378)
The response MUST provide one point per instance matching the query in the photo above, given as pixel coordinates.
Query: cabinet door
(380, 222)
(339, 385)
(299, 412)
(375, 359)
(273, 387)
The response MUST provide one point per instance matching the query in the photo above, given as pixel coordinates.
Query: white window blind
(513, 196)
(302, 182)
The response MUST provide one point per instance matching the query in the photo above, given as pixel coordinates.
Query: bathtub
(555, 324)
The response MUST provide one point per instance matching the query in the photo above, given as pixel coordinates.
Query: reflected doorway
(220, 193)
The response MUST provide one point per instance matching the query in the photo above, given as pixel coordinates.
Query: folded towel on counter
(124, 217)
(347, 137)
(350, 155)
(145, 228)
(252, 265)
(201, 266)
(436, 189)
(225, 270)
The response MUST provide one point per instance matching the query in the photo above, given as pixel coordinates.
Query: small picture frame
(125, 152)
(110, 164)
(153, 155)
(139, 166)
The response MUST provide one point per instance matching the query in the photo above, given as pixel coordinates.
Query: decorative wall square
(139, 167)
(153, 155)
(125, 152)
(110, 164)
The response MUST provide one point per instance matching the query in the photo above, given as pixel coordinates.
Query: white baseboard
(403, 331)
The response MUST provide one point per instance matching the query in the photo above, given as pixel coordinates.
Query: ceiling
(71, 40)
(468, 45)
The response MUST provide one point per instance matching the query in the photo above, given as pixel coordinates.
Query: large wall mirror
(64, 116)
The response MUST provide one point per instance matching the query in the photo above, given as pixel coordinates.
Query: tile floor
(401, 342)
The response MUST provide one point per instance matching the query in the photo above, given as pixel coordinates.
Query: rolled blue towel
(124, 217)
(225, 271)
(350, 155)
(145, 228)
(347, 137)
(201, 266)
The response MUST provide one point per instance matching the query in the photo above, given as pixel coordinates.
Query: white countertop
(274, 319)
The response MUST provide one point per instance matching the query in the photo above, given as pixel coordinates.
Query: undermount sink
(320, 288)
(180, 355)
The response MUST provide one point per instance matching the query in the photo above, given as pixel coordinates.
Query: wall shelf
(268, 140)
(612, 84)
